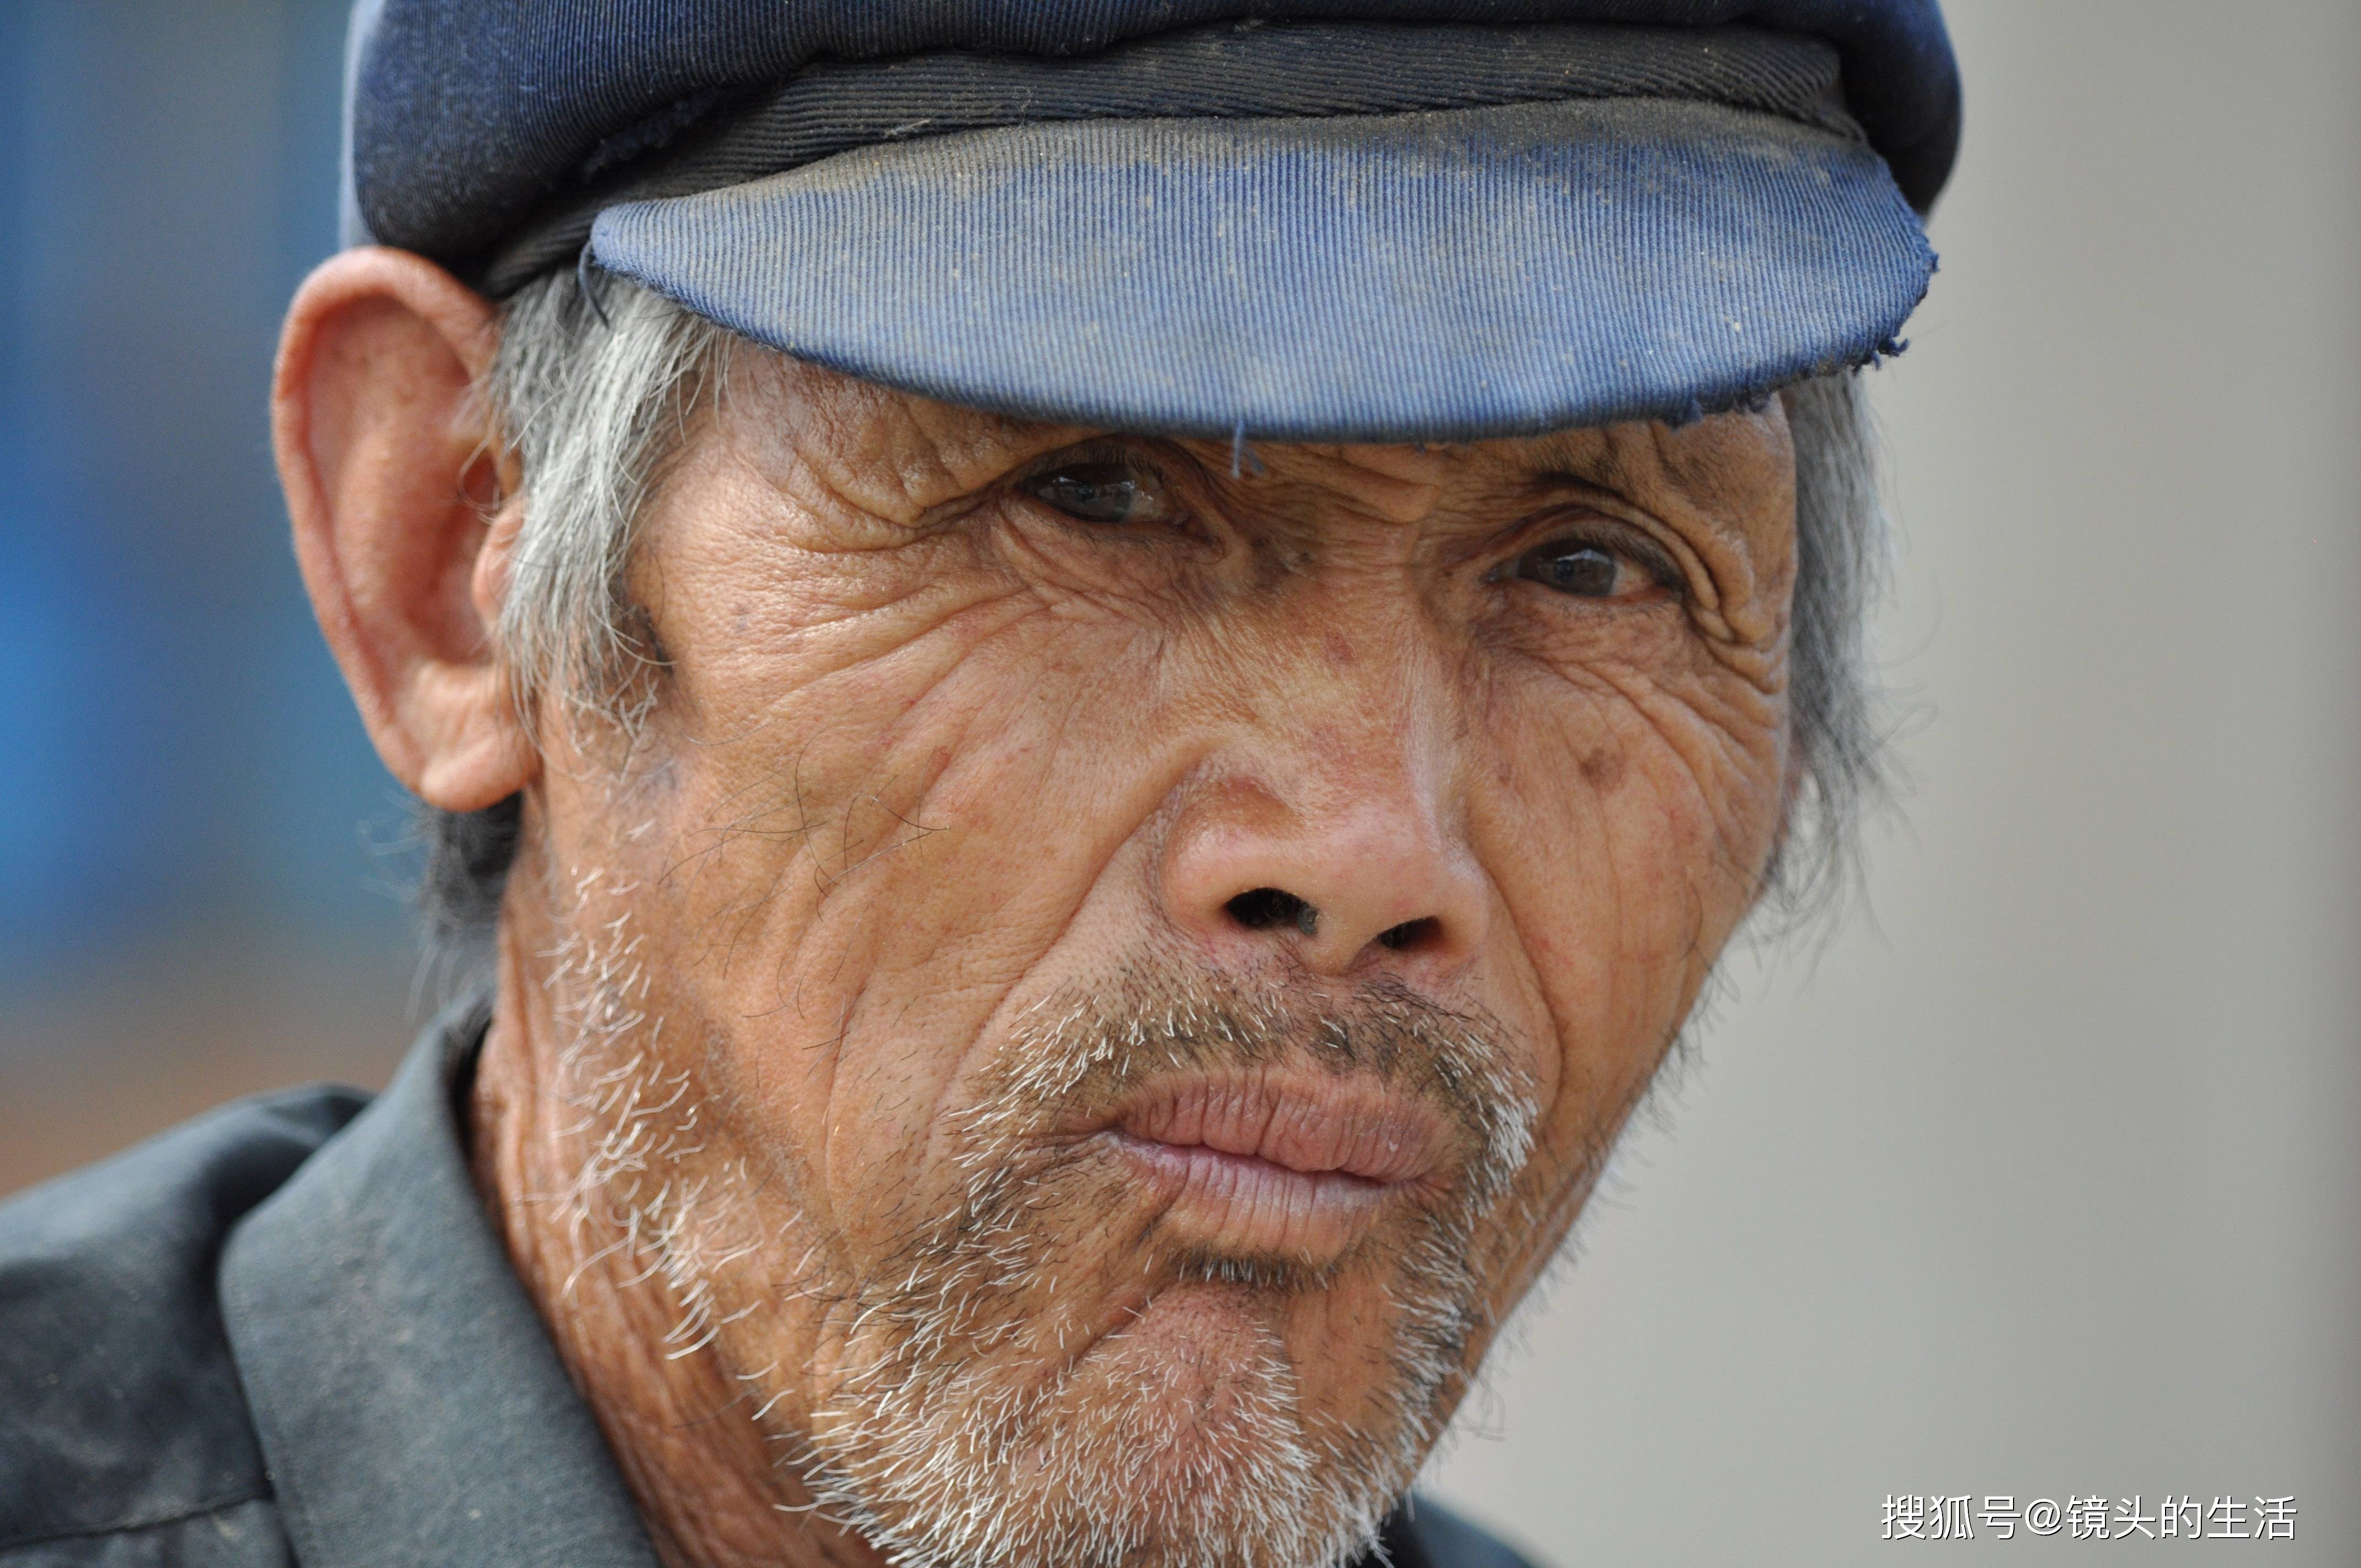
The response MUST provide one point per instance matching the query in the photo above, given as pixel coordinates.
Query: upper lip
(1317, 1124)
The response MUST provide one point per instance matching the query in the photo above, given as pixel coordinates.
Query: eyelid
(1185, 519)
(1112, 450)
(1603, 531)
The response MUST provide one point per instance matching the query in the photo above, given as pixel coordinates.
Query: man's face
(1107, 969)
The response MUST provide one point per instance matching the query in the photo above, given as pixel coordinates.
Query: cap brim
(1443, 276)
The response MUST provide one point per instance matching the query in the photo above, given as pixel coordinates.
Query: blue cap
(1296, 219)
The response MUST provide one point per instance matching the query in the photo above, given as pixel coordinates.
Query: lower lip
(1246, 1205)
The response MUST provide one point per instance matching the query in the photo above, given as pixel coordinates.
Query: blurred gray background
(2041, 1178)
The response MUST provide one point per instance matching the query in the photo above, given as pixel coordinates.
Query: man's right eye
(1109, 493)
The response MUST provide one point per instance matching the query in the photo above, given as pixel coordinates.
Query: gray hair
(593, 393)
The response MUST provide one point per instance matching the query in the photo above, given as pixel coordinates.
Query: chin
(1178, 1440)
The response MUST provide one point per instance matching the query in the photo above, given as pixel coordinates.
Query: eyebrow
(1582, 460)
(1566, 449)
(1578, 459)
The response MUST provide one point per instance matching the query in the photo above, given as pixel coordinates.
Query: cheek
(886, 793)
(1628, 821)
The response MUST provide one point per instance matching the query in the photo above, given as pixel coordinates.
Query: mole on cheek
(1602, 769)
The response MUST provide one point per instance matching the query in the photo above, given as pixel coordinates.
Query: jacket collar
(412, 1411)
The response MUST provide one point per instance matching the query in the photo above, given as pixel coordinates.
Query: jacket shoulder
(1445, 1538)
(124, 1411)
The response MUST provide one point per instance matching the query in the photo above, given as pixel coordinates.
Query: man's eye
(1102, 493)
(1586, 570)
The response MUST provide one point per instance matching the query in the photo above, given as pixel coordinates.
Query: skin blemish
(1602, 769)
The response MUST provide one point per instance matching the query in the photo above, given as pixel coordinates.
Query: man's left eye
(1584, 569)
(1110, 493)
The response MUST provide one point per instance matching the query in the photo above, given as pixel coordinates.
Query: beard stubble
(969, 1419)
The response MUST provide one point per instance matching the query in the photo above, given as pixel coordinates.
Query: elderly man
(1093, 684)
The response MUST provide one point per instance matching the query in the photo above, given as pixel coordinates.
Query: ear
(396, 481)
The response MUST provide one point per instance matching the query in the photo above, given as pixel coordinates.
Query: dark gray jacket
(285, 1332)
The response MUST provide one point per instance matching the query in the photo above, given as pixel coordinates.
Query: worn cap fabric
(1324, 220)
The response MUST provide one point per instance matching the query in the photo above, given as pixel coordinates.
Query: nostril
(1259, 909)
(1411, 934)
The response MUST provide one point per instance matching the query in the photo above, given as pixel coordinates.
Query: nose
(1345, 874)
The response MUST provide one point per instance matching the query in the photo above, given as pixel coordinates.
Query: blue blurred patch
(177, 757)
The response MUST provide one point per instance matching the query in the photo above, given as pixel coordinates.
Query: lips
(1272, 1164)
(1333, 1127)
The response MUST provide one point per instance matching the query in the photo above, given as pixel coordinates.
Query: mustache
(1082, 1050)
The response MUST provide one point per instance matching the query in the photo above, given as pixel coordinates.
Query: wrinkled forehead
(900, 456)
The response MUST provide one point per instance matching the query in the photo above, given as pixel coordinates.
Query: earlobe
(396, 480)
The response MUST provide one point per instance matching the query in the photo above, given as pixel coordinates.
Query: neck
(681, 1429)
